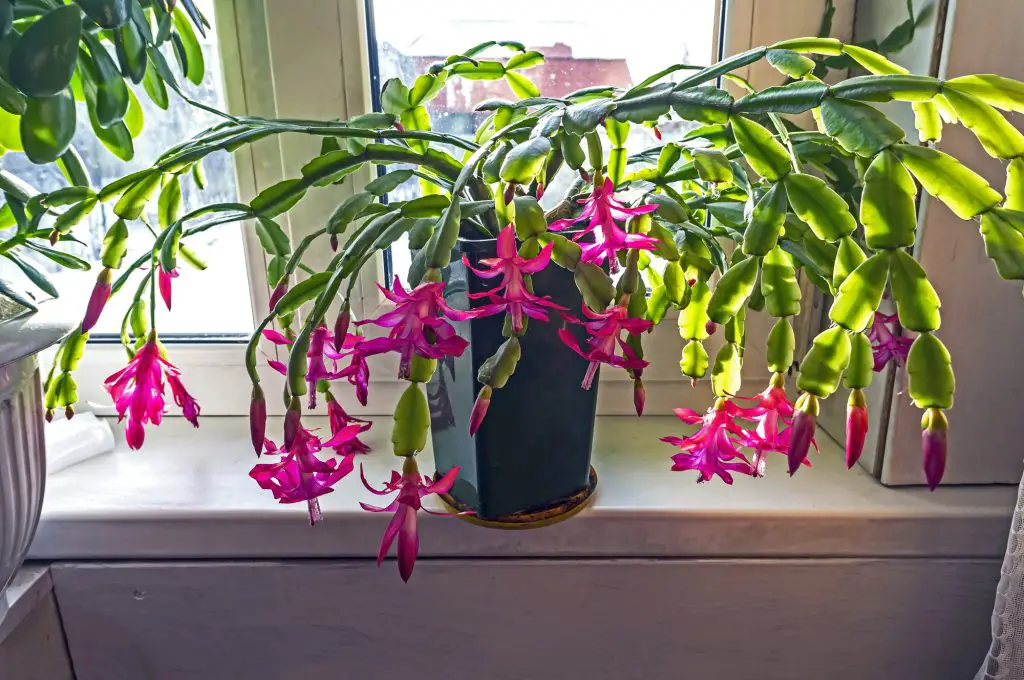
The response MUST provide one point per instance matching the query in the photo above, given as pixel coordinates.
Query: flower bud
(278, 293)
(934, 428)
(540, 190)
(69, 411)
(802, 430)
(164, 282)
(341, 325)
(710, 327)
(657, 132)
(856, 426)
(639, 396)
(483, 402)
(258, 419)
(98, 299)
(292, 424)
(334, 243)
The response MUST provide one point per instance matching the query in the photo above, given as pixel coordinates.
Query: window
(575, 38)
(192, 314)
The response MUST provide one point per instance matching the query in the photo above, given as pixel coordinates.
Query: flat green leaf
(732, 290)
(523, 87)
(302, 292)
(964, 191)
(130, 48)
(134, 200)
(873, 61)
(827, 46)
(499, 367)
(272, 237)
(595, 286)
(8, 290)
(930, 368)
(426, 87)
(888, 206)
(712, 165)
(155, 87)
(446, 236)
(694, 362)
(525, 160)
(524, 60)
(765, 155)
(482, 70)
(394, 98)
(106, 13)
(726, 377)
(916, 301)
(861, 293)
(779, 285)
(196, 69)
(862, 362)
(997, 136)
(65, 260)
(111, 94)
(1015, 185)
(814, 202)
(580, 119)
(38, 278)
(694, 319)
(766, 220)
(825, 362)
(884, 88)
(780, 346)
(116, 138)
(848, 257)
(927, 121)
(48, 126)
(669, 209)
(704, 104)
(134, 119)
(388, 182)
(1002, 93)
(115, 245)
(859, 128)
(426, 206)
(278, 198)
(1004, 241)
(169, 203)
(10, 131)
(73, 215)
(790, 63)
(42, 60)
(795, 97)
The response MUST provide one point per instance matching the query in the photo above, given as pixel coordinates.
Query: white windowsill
(188, 495)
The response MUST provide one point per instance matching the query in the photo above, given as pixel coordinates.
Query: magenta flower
(602, 211)
(339, 420)
(772, 411)
(98, 299)
(712, 449)
(302, 476)
(321, 349)
(418, 326)
(885, 344)
(512, 295)
(138, 392)
(934, 436)
(605, 329)
(164, 282)
(411, 488)
(856, 426)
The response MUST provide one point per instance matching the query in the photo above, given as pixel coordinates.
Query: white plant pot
(22, 448)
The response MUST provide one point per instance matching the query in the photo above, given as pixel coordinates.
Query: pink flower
(300, 475)
(712, 449)
(164, 282)
(411, 488)
(605, 329)
(856, 426)
(417, 326)
(602, 211)
(886, 345)
(512, 295)
(773, 410)
(339, 420)
(934, 435)
(98, 299)
(321, 349)
(138, 392)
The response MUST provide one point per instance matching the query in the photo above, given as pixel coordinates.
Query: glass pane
(585, 42)
(225, 282)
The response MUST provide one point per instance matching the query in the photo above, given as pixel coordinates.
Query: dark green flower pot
(530, 459)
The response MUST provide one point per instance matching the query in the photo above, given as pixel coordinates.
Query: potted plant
(53, 55)
(488, 292)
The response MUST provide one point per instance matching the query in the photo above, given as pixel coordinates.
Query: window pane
(585, 42)
(214, 301)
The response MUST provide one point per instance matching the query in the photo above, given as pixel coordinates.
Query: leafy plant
(54, 56)
(835, 205)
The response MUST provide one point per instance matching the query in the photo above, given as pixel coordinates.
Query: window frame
(266, 57)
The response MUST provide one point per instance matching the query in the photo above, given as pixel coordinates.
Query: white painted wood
(983, 315)
(524, 620)
(35, 649)
(28, 588)
(187, 496)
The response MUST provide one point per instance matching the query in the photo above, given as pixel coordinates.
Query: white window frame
(271, 50)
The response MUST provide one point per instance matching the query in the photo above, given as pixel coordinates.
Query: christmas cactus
(724, 220)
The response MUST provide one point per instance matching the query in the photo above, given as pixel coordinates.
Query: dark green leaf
(388, 182)
(131, 52)
(106, 13)
(278, 198)
(37, 277)
(193, 50)
(705, 104)
(48, 126)
(790, 63)
(302, 292)
(859, 128)
(111, 94)
(43, 59)
(580, 119)
(795, 97)
(65, 260)
(154, 86)
(272, 237)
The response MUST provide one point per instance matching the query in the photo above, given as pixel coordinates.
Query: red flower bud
(292, 423)
(856, 426)
(334, 243)
(278, 293)
(639, 396)
(54, 237)
(540, 191)
(934, 430)
(510, 193)
(98, 299)
(710, 327)
(258, 419)
(483, 402)
(657, 132)
(341, 325)
(802, 430)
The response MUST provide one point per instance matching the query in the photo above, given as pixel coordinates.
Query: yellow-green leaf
(726, 375)
(824, 211)
(888, 208)
(964, 191)
(861, 293)
(732, 290)
(917, 303)
(823, 367)
(779, 285)
(997, 136)
(930, 367)
(762, 151)
(1004, 241)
